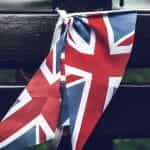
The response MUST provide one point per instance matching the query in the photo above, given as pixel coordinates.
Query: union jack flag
(96, 54)
(79, 75)
(34, 117)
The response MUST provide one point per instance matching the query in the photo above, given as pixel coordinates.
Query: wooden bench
(24, 42)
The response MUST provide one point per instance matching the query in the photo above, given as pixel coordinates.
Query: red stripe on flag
(128, 41)
(21, 118)
(39, 86)
(42, 135)
(72, 78)
(51, 108)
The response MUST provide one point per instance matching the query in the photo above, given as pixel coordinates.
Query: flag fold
(76, 81)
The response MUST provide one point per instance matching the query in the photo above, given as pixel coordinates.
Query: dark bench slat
(141, 51)
(25, 39)
(126, 116)
(7, 98)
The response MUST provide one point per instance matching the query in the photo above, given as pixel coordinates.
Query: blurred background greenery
(134, 144)
(119, 144)
(137, 76)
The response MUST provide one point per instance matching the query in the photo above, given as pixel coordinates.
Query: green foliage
(137, 76)
(7, 75)
(50, 145)
(39, 147)
(134, 144)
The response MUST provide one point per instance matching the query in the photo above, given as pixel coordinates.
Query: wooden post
(122, 3)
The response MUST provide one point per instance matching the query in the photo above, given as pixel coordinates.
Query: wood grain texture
(25, 39)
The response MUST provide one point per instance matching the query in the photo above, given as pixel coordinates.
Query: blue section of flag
(28, 139)
(74, 94)
(64, 115)
(82, 29)
(60, 46)
(122, 24)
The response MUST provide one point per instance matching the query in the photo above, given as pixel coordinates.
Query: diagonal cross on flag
(101, 70)
(88, 57)
(37, 107)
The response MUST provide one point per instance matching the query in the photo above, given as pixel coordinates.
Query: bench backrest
(24, 42)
